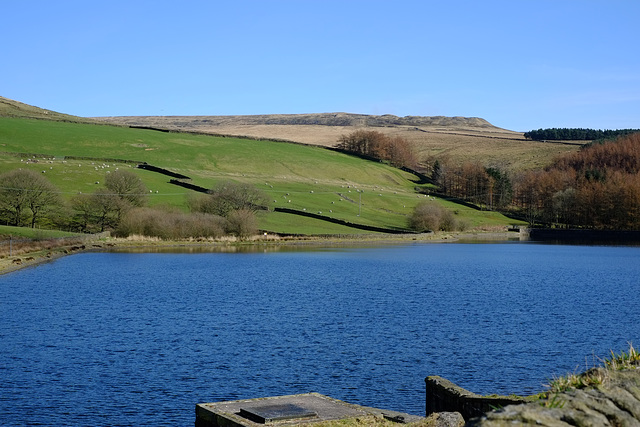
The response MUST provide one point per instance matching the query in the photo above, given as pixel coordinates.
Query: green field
(305, 178)
(32, 233)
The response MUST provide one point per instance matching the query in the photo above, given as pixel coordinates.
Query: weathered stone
(614, 403)
(299, 409)
(444, 396)
(445, 419)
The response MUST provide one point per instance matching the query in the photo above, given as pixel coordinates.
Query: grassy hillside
(459, 139)
(11, 108)
(311, 179)
(305, 178)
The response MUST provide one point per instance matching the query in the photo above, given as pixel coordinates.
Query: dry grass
(597, 375)
(29, 253)
(28, 246)
(624, 360)
(371, 421)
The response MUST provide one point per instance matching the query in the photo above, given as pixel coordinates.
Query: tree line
(596, 187)
(396, 150)
(487, 187)
(121, 206)
(576, 134)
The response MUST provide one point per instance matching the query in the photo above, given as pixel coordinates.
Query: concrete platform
(298, 409)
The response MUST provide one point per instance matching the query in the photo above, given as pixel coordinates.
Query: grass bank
(76, 157)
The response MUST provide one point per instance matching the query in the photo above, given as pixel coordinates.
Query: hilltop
(322, 119)
(11, 108)
(460, 139)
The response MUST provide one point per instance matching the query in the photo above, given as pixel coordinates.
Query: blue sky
(519, 64)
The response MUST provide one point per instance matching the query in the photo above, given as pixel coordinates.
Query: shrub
(448, 221)
(170, 225)
(426, 217)
(229, 196)
(430, 216)
(203, 225)
(242, 223)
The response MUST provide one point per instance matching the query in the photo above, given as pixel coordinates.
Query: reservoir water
(138, 339)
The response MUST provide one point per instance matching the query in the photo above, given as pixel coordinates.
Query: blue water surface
(138, 339)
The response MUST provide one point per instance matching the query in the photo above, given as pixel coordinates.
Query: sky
(520, 64)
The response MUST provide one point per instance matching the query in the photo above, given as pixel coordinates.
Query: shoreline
(10, 264)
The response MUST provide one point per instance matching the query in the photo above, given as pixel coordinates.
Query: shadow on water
(585, 237)
(255, 247)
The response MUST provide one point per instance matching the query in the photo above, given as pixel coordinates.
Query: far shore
(9, 264)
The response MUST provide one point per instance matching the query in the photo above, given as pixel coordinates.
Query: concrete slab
(261, 413)
(298, 409)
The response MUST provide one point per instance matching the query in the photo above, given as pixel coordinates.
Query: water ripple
(122, 339)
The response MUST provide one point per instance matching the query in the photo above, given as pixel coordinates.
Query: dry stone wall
(444, 396)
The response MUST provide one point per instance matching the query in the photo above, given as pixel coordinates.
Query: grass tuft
(624, 360)
(592, 377)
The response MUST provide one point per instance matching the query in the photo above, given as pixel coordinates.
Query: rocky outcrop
(615, 402)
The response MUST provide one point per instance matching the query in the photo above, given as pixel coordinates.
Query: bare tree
(229, 196)
(106, 209)
(127, 186)
(23, 191)
(397, 150)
